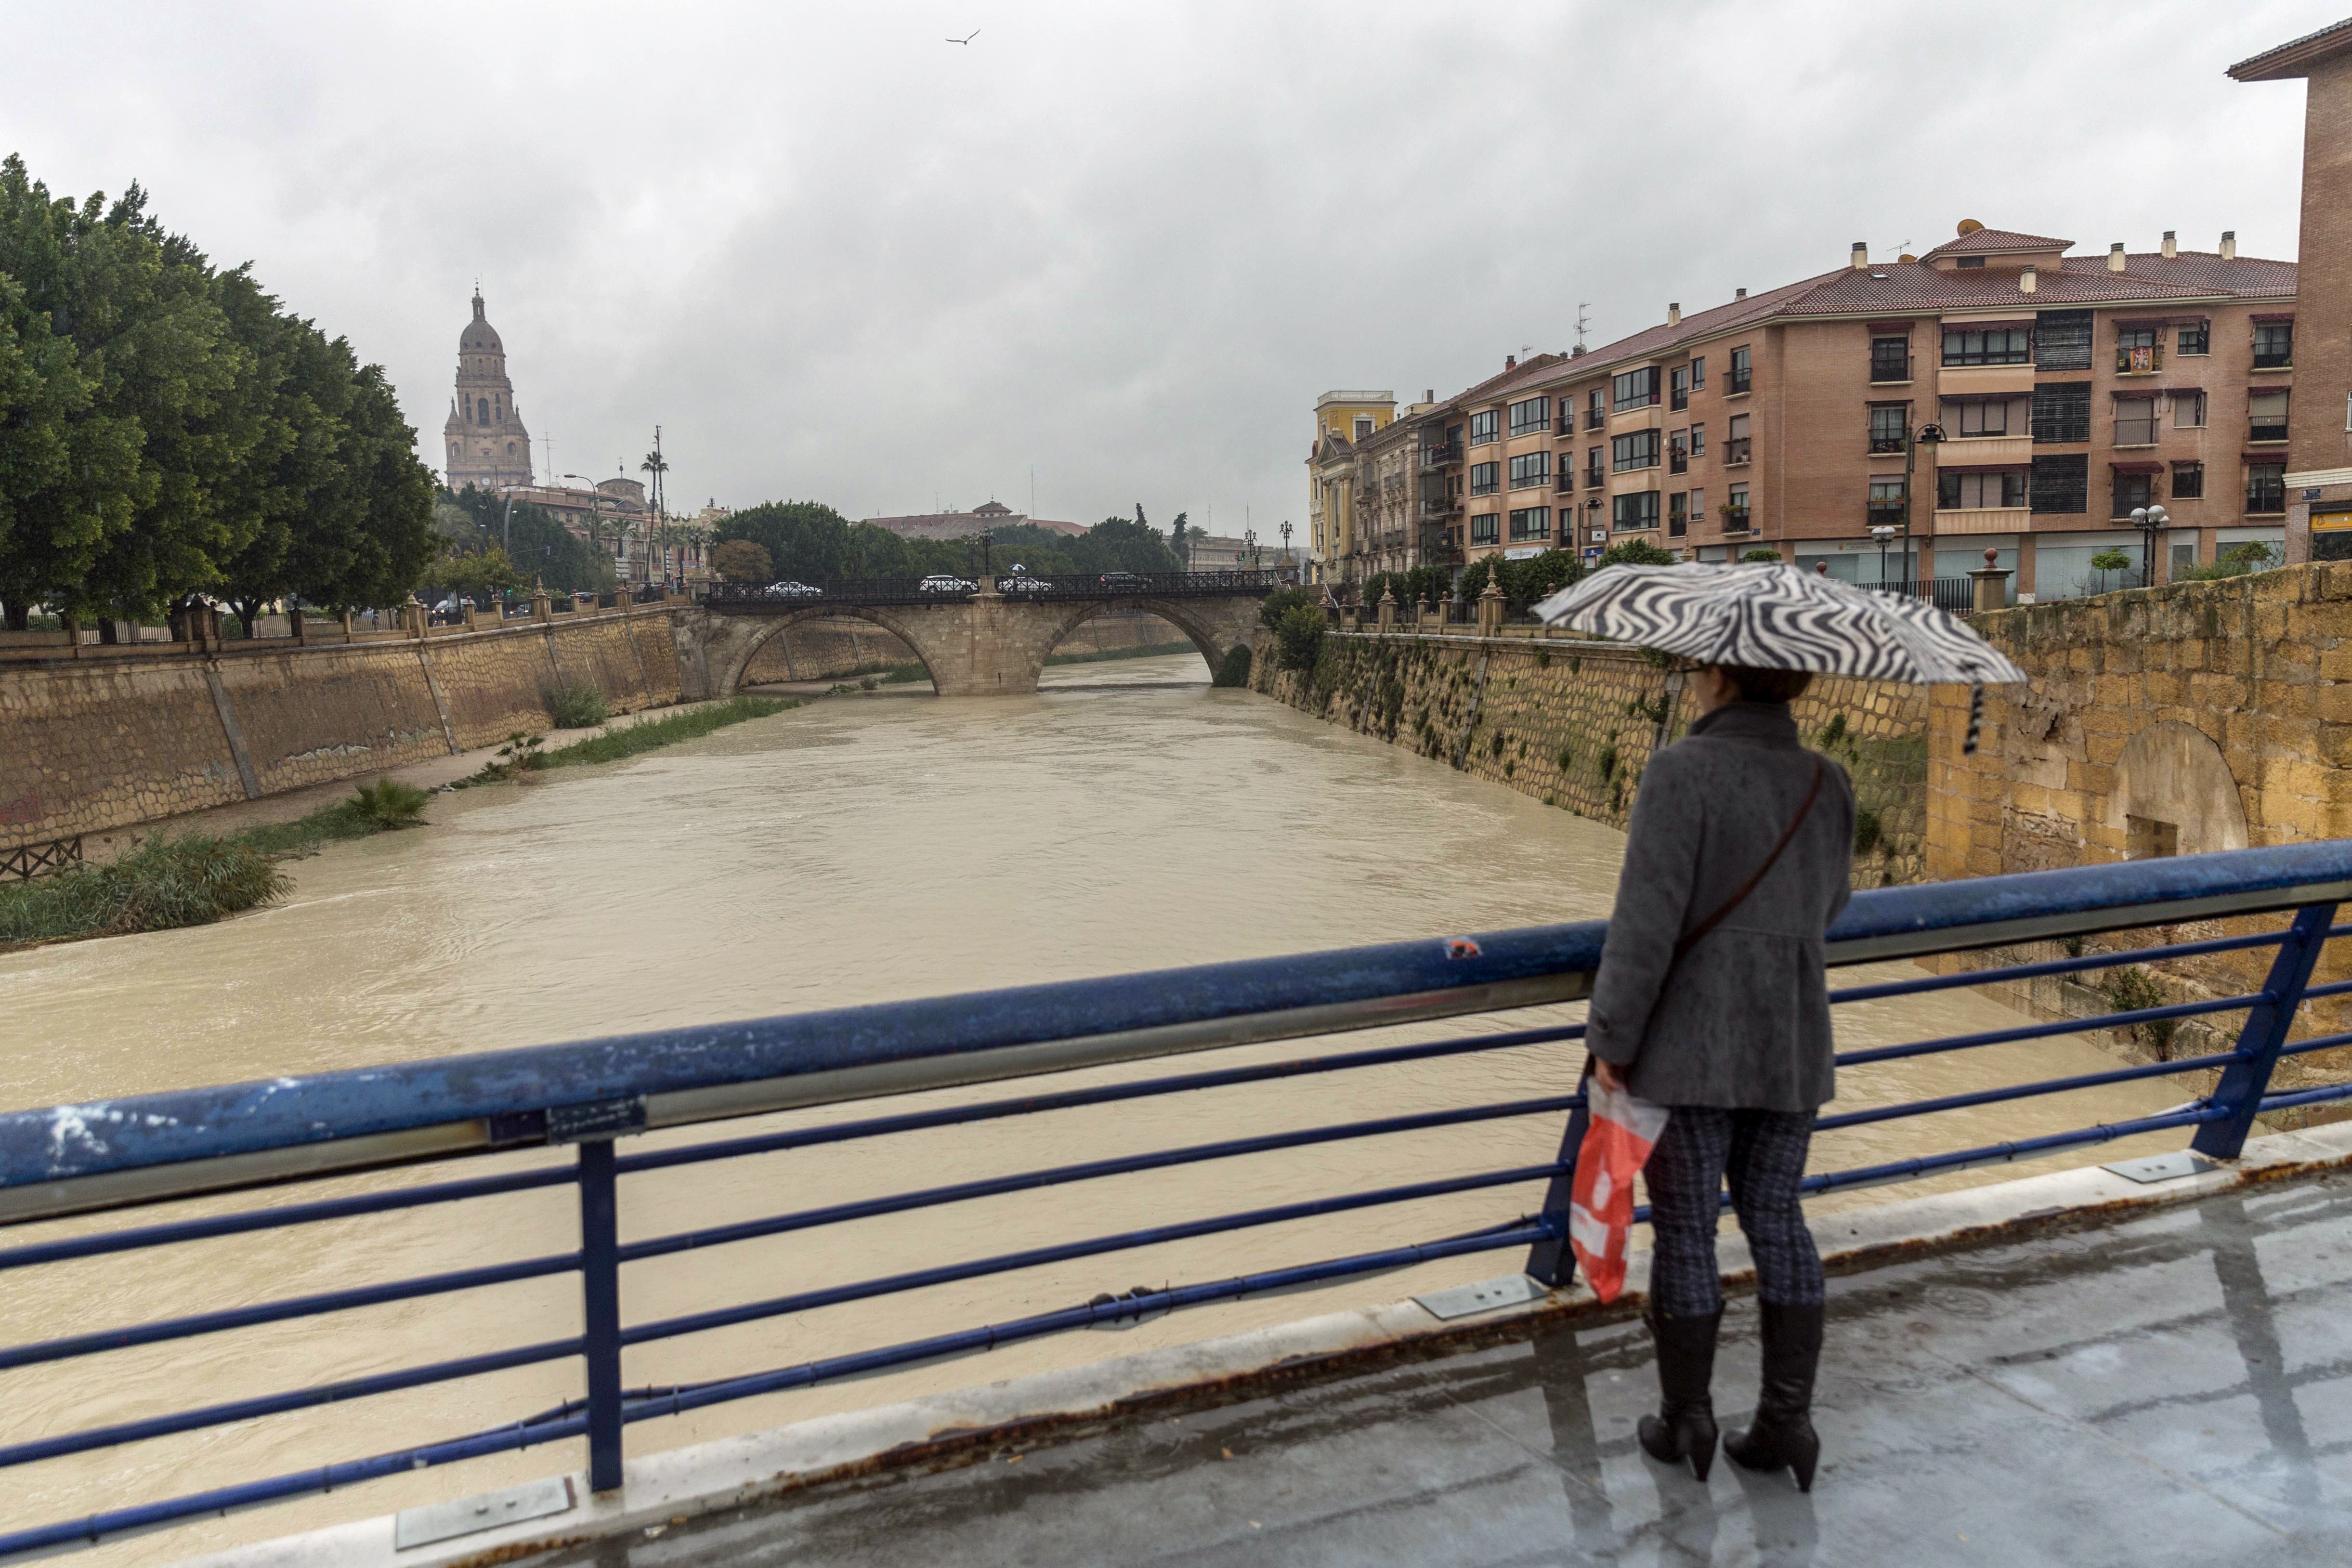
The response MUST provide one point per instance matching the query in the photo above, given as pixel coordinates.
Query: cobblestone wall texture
(102, 742)
(1574, 723)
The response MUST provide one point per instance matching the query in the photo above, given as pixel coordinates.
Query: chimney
(2172, 245)
(2027, 282)
(1861, 255)
(1511, 362)
(1739, 293)
(1576, 352)
(1430, 396)
(2115, 257)
(1674, 314)
(2228, 244)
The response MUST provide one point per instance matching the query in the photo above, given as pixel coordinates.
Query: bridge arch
(1208, 622)
(759, 632)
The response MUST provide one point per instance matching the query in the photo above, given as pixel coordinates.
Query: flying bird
(975, 34)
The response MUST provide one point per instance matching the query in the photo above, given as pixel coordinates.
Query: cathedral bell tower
(487, 444)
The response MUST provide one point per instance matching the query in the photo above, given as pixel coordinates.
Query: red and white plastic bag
(1617, 1142)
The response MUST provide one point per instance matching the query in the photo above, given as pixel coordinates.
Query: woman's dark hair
(1768, 685)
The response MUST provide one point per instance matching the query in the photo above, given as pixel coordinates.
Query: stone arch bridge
(984, 639)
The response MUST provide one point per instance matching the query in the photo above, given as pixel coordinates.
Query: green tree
(741, 560)
(538, 543)
(1298, 637)
(1760, 555)
(471, 572)
(1636, 553)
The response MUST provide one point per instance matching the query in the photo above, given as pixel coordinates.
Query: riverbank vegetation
(629, 741)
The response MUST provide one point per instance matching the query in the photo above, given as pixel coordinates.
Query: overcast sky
(835, 256)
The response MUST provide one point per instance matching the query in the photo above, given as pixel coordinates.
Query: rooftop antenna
(1582, 322)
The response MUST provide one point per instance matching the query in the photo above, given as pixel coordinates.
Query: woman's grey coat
(1743, 1021)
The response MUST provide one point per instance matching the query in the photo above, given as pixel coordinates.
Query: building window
(1975, 488)
(1741, 372)
(2061, 411)
(1531, 469)
(2136, 421)
(1637, 450)
(1735, 440)
(1595, 414)
(2139, 349)
(1888, 424)
(2187, 481)
(1890, 359)
(2273, 345)
(1485, 427)
(2131, 491)
(2062, 484)
(2265, 486)
(1698, 373)
(1485, 479)
(1363, 427)
(2189, 410)
(1886, 503)
(1637, 510)
(481, 411)
(1994, 345)
(1734, 511)
(2193, 339)
(1634, 389)
(1698, 440)
(1678, 452)
(1486, 527)
(1968, 417)
(1591, 468)
(2062, 340)
(1677, 515)
(1531, 523)
(1678, 389)
(1970, 261)
(1698, 503)
(2266, 416)
(1531, 417)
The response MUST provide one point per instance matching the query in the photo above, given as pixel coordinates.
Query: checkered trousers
(1763, 1154)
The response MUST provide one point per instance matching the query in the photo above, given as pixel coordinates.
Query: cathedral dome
(480, 337)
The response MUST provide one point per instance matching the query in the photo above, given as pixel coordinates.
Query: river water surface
(858, 849)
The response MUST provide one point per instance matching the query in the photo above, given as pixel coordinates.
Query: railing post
(2247, 1079)
(1549, 1261)
(600, 1282)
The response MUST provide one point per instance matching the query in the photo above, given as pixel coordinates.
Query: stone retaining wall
(1573, 724)
(104, 741)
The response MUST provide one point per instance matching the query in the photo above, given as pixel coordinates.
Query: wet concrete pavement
(2176, 1389)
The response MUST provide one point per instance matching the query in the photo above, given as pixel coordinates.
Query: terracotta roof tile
(2295, 58)
(1995, 241)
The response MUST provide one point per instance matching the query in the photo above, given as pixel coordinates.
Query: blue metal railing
(118, 1154)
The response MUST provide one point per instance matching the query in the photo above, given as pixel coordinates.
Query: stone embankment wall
(1574, 723)
(2194, 717)
(843, 644)
(110, 740)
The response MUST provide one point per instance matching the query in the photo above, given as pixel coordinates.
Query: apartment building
(2069, 390)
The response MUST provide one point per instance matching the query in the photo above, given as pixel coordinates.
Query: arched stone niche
(2174, 794)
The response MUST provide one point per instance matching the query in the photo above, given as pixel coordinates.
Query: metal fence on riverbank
(120, 1154)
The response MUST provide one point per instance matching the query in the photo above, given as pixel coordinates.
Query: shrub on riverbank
(614, 744)
(1298, 637)
(575, 705)
(1234, 668)
(163, 883)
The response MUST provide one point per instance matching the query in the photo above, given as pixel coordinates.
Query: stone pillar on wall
(1388, 609)
(1491, 607)
(1992, 586)
(412, 617)
(543, 608)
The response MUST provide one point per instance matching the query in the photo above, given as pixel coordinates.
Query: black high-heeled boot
(1783, 1433)
(1684, 1427)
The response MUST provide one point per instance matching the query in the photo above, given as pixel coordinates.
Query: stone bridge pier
(987, 646)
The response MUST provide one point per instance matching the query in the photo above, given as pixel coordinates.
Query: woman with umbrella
(1711, 998)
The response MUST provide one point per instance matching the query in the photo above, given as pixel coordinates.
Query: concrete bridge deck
(2175, 1389)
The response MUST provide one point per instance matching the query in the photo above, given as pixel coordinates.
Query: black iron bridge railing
(946, 589)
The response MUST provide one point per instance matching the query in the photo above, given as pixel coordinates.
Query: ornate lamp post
(2150, 522)
(1885, 533)
(1929, 436)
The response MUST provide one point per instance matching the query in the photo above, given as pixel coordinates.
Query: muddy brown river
(855, 850)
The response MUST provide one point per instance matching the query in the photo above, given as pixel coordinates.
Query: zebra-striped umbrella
(1773, 616)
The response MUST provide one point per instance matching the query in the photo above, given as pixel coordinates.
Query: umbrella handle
(1975, 721)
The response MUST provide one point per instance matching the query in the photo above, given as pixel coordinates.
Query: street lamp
(1885, 533)
(1249, 543)
(1929, 436)
(2149, 521)
(596, 513)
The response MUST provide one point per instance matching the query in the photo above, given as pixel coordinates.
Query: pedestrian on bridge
(1712, 998)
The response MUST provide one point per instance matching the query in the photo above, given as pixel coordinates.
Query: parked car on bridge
(788, 589)
(1124, 580)
(941, 582)
(1022, 582)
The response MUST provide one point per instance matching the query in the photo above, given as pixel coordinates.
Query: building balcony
(2265, 499)
(1890, 372)
(2136, 432)
(1566, 483)
(1439, 457)
(1736, 520)
(1975, 451)
(1678, 462)
(2285, 361)
(1677, 401)
(1737, 382)
(1983, 519)
(1594, 421)
(2140, 360)
(1735, 451)
(2266, 431)
(1440, 505)
(1886, 513)
(1883, 445)
(1594, 478)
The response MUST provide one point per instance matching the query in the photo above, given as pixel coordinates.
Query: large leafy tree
(542, 547)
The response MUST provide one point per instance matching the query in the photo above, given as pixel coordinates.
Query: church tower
(487, 443)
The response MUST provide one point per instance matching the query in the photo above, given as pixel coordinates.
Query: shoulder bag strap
(1820, 771)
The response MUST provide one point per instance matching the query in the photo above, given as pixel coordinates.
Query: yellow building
(1341, 420)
